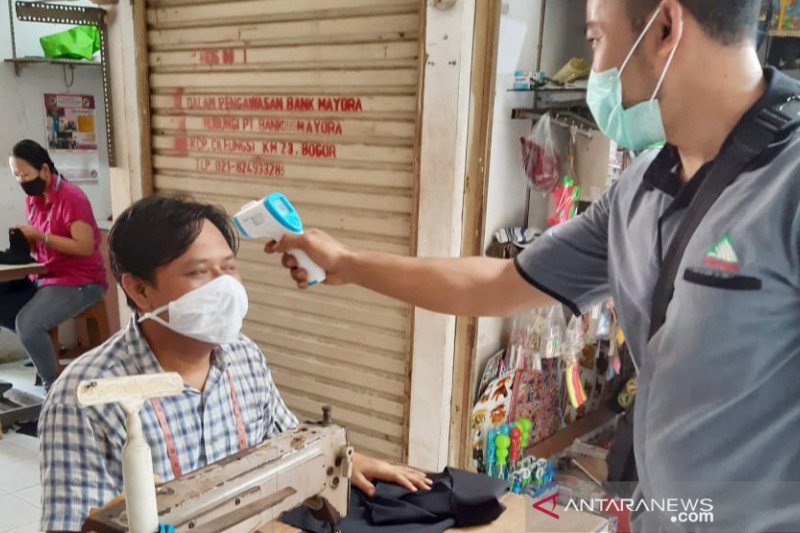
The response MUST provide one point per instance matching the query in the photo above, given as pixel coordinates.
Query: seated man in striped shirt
(175, 259)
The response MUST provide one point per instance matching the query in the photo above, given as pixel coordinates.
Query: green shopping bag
(80, 42)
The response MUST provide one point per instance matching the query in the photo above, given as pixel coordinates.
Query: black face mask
(34, 187)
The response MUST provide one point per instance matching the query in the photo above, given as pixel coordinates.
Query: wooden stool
(93, 330)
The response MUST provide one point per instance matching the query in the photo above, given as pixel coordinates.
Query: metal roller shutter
(317, 99)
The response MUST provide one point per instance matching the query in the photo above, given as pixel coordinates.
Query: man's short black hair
(157, 230)
(730, 22)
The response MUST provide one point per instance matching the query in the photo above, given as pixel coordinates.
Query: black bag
(755, 134)
(18, 252)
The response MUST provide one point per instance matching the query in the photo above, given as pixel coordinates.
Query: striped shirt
(81, 449)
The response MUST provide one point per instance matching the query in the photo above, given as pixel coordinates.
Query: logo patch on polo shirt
(722, 255)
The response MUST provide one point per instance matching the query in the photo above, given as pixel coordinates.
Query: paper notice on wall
(69, 122)
(512, 38)
(71, 136)
(79, 175)
(76, 166)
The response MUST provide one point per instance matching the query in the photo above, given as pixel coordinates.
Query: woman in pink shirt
(63, 235)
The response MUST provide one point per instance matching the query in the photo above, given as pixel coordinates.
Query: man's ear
(136, 289)
(671, 21)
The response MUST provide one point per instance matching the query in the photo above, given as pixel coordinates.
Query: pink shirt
(66, 205)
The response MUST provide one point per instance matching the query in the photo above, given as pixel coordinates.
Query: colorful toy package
(491, 410)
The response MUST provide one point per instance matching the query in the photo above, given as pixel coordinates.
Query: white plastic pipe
(137, 475)
(137, 464)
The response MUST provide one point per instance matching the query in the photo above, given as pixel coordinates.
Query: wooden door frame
(423, 19)
(484, 75)
(143, 95)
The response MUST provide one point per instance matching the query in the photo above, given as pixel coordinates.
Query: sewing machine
(311, 465)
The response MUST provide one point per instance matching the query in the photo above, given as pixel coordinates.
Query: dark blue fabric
(456, 499)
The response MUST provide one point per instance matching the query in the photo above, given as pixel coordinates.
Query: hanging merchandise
(523, 343)
(627, 395)
(534, 348)
(540, 156)
(554, 328)
(537, 397)
(619, 342)
(572, 350)
(549, 376)
(621, 388)
(619, 161)
(535, 335)
(494, 367)
(565, 201)
(599, 320)
(490, 411)
(572, 150)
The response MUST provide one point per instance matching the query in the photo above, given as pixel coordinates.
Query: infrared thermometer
(274, 217)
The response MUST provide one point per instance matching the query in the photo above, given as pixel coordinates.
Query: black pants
(13, 297)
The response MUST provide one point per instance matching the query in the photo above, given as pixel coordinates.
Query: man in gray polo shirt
(717, 412)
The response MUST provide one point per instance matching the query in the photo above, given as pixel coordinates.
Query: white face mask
(212, 313)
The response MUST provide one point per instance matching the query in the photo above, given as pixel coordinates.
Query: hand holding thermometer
(274, 217)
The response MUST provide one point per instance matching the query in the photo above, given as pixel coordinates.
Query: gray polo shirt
(718, 401)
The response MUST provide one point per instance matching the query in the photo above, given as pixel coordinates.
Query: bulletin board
(71, 135)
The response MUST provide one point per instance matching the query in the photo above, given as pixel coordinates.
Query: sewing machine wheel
(323, 511)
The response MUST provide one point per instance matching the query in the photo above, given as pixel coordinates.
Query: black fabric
(663, 174)
(733, 283)
(621, 461)
(669, 181)
(29, 428)
(13, 297)
(456, 499)
(762, 126)
(18, 252)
